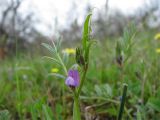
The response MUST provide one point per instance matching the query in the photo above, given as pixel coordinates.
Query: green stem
(63, 85)
(122, 102)
(19, 105)
(19, 102)
(64, 67)
(76, 109)
(82, 82)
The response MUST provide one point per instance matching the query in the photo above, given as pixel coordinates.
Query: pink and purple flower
(73, 78)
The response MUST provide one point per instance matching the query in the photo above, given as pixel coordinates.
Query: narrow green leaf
(55, 60)
(88, 49)
(86, 31)
(65, 57)
(57, 75)
(49, 47)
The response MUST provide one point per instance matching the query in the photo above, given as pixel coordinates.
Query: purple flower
(73, 78)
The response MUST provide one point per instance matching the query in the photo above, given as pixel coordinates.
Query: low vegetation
(33, 87)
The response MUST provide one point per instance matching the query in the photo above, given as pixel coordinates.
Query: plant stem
(64, 67)
(19, 102)
(63, 85)
(18, 94)
(76, 109)
(122, 102)
(82, 82)
(142, 89)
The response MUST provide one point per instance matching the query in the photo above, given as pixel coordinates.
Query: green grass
(41, 92)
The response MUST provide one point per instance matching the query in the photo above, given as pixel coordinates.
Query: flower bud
(79, 57)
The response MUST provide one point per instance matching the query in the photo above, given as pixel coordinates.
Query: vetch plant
(125, 45)
(82, 58)
(73, 78)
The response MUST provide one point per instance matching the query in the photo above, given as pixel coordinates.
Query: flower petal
(74, 74)
(71, 82)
